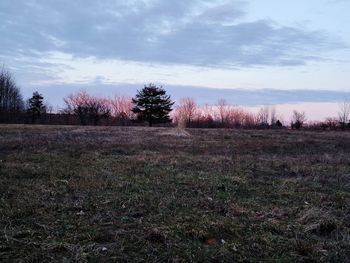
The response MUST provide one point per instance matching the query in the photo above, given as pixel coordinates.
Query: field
(102, 194)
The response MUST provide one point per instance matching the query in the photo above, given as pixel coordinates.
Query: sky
(199, 48)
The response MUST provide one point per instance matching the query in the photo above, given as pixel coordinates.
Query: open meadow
(132, 194)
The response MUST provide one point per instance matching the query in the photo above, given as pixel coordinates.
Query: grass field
(102, 194)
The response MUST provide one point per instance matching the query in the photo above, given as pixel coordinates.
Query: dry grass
(97, 194)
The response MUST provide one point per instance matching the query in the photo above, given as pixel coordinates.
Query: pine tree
(153, 105)
(36, 105)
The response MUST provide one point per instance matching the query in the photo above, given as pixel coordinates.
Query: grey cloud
(223, 12)
(243, 97)
(182, 32)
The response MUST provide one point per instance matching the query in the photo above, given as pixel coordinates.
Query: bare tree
(99, 108)
(186, 110)
(330, 123)
(273, 118)
(223, 109)
(263, 116)
(87, 108)
(207, 115)
(236, 117)
(298, 119)
(11, 100)
(250, 120)
(344, 113)
(121, 107)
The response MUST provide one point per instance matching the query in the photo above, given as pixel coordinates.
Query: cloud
(226, 12)
(201, 33)
(203, 95)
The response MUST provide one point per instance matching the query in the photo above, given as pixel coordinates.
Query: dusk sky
(114, 46)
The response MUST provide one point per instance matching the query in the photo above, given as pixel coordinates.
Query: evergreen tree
(279, 124)
(153, 105)
(36, 105)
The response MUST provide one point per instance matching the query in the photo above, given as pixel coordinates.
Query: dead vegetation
(97, 194)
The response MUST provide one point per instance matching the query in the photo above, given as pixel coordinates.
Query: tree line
(151, 105)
